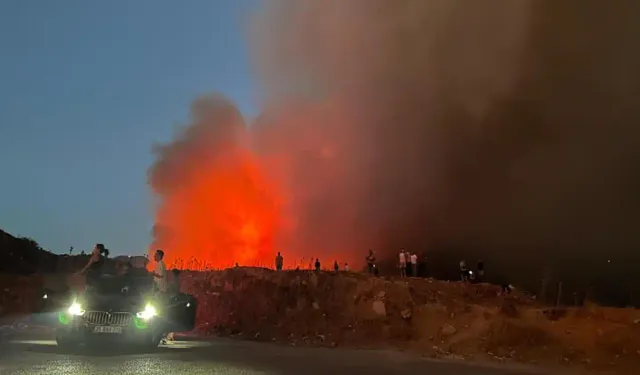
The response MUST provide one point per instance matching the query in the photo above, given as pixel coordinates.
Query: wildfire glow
(226, 213)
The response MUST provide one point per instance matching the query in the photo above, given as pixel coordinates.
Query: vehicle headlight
(148, 312)
(75, 309)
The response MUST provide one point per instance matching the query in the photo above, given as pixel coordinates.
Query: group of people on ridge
(316, 265)
(408, 263)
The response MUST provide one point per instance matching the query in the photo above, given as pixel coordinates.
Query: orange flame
(224, 214)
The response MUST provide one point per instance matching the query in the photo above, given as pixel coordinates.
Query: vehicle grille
(105, 318)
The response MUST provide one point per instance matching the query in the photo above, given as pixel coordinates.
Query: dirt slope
(439, 319)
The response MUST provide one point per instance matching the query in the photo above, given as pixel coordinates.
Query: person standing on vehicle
(93, 269)
(126, 276)
(160, 273)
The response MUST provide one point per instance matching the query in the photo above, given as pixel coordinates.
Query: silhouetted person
(335, 266)
(371, 261)
(124, 269)
(464, 271)
(279, 262)
(480, 271)
(317, 264)
(402, 263)
(93, 269)
(126, 276)
(414, 264)
(160, 277)
(422, 265)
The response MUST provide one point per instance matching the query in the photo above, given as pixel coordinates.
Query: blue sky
(86, 87)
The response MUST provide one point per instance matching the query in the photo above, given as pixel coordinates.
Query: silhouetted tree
(29, 244)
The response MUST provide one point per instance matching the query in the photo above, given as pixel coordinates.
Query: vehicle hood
(114, 303)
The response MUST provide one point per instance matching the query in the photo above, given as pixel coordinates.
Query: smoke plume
(503, 127)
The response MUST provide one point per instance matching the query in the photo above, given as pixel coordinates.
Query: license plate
(107, 329)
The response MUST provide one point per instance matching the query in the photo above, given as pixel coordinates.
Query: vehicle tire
(153, 341)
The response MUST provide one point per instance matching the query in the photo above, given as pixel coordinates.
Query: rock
(448, 330)
(316, 306)
(313, 280)
(228, 287)
(379, 308)
(509, 309)
(301, 303)
(405, 314)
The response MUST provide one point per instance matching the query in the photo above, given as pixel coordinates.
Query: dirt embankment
(435, 318)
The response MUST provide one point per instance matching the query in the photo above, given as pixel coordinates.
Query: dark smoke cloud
(216, 127)
(504, 127)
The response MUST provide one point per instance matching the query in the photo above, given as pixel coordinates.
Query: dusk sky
(86, 88)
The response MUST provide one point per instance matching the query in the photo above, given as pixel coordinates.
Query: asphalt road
(31, 356)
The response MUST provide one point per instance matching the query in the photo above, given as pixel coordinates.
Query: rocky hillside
(24, 256)
(436, 318)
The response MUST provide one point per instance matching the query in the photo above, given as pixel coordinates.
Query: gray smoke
(504, 126)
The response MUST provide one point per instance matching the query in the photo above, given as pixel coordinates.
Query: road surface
(31, 356)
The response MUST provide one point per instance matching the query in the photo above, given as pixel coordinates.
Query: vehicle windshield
(115, 284)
